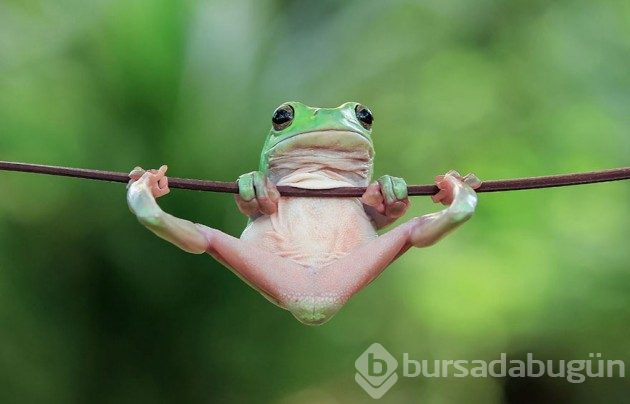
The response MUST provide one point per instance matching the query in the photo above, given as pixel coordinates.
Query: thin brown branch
(562, 180)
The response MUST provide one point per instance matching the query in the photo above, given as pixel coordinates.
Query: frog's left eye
(282, 117)
(364, 116)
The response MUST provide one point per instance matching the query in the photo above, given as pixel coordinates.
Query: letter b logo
(376, 370)
(376, 367)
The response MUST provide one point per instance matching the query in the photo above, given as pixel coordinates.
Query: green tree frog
(309, 255)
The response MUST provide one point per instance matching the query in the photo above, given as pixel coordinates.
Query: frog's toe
(373, 197)
(472, 180)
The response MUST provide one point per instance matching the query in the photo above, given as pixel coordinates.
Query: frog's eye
(364, 116)
(282, 117)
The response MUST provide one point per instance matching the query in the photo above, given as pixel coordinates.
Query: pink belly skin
(312, 232)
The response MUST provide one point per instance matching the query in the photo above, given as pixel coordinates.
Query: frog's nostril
(316, 111)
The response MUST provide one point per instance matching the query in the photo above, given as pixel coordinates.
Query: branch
(615, 174)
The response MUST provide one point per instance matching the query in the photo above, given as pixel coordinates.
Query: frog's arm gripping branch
(614, 174)
(182, 233)
(429, 229)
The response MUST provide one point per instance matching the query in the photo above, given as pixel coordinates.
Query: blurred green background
(94, 308)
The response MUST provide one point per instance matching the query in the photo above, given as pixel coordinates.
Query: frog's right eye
(282, 117)
(364, 115)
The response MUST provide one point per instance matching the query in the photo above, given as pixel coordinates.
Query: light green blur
(93, 308)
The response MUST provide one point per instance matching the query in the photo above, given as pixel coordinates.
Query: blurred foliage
(93, 308)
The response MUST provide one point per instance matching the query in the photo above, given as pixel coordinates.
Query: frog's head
(296, 126)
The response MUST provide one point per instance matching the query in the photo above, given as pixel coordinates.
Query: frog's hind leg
(304, 291)
(356, 270)
(351, 273)
(282, 281)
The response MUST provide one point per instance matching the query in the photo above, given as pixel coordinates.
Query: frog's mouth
(327, 139)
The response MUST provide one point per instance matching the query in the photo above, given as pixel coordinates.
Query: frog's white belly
(312, 232)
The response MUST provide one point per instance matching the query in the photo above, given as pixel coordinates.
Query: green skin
(311, 290)
(308, 119)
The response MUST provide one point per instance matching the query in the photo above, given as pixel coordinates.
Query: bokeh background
(94, 308)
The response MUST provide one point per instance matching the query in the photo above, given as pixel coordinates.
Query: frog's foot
(446, 194)
(459, 194)
(256, 194)
(143, 188)
(388, 196)
(155, 180)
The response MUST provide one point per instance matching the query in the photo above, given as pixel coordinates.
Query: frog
(310, 255)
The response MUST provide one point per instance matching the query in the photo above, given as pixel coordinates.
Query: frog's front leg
(385, 200)
(257, 195)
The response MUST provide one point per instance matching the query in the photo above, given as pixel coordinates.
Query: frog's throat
(323, 139)
(321, 168)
